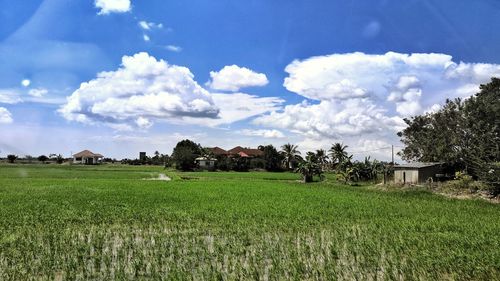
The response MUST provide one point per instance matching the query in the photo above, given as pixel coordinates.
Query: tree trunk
(308, 178)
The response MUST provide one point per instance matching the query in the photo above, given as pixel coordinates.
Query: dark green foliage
(11, 158)
(272, 157)
(223, 163)
(464, 133)
(184, 154)
(257, 163)
(310, 167)
(322, 158)
(42, 158)
(240, 164)
(59, 159)
(290, 155)
(338, 154)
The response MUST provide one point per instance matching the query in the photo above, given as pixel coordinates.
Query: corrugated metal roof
(417, 165)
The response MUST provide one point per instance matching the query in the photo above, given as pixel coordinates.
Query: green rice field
(62, 222)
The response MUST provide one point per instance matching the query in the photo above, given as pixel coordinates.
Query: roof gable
(218, 151)
(246, 151)
(87, 153)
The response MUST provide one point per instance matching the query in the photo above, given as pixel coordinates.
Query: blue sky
(232, 73)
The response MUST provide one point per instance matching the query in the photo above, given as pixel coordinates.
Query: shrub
(12, 158)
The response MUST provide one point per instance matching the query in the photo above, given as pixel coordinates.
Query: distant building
(241, 151)
(142, 156)
(246, 152)
(87, 157)
(217, 151)
(416, 173)
(205, 163)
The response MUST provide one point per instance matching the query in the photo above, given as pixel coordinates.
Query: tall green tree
(463, 133)
(184, 154)
(11, 158)
(291, 155)
(338, 153)
(322, 157)
(272, 157)
(309, 167)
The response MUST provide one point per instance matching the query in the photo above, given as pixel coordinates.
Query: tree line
(464, 134)
(288, 158)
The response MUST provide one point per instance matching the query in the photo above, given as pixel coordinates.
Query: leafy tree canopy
(184, 154)
(463, 133)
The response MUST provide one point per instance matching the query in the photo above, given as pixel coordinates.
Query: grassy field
(107, 222)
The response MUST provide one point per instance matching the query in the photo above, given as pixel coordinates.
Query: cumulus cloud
(431, 78)
(145, 89)
(332, 119)
(146, 37)
(5, 116)
(233, 78)
(112, 6)
(406, 94)
(360, 97)
(273, 134)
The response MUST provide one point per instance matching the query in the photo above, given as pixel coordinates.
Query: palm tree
(290, 154)
(338, 153)
(321, 157)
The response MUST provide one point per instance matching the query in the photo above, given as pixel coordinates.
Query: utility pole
(392, 148)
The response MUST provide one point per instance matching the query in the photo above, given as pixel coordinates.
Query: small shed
(417, 172)
(87, 157)
(205, 163)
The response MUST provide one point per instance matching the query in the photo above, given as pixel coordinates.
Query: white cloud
(146, 37)
(438, 76)
(237, 107)
(361, 97)
(274, 134)
(112, 6)
(5, 116)
(233, 78)
(10, 96)
(434, 108)
(333, 119)
(39, 92)
(26, 82)
(149, 25)
(173, 48)
(145, 89)
(406, 94)
(142, 87)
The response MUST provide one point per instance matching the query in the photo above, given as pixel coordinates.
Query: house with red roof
(241, 151)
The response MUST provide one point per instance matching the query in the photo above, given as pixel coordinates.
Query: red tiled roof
(242, 154)
(235, 150)
(248, 151)
(218, 151)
